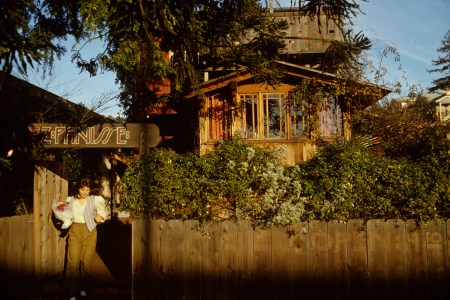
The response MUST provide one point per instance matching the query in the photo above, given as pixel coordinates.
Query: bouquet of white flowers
(63, 212)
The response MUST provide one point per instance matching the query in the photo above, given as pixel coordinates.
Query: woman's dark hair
(84, 182)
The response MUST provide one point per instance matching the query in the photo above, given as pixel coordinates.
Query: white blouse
(78, 209)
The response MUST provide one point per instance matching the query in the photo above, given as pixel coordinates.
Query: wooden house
(230, 105)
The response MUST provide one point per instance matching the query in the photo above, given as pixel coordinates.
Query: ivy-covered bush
(349, 181)
(239, 181)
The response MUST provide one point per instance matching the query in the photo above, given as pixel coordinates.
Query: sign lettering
(108, 135)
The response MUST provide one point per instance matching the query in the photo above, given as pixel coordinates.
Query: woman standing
(88, 211)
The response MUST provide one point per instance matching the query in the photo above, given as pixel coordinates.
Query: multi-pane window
(298, 121)
(270, 116)
(250, 116)
(274, 115)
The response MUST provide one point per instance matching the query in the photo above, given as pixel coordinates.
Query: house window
(330, 118)
(219, 124)
(250, 116)
(298, 121)
(270, 116)
(274, 116)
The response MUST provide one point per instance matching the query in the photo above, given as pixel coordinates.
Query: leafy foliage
(407, 132)
(239, 181)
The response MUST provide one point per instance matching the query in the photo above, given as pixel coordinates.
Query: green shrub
(239, 181)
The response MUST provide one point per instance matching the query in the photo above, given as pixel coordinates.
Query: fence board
(299, 261)
(227, 257)
(193, 260)
(140, 252)
(377, 259)
(281, 263)
(337, 257)
(210, 263)
(172, 251)
(244, 260)
(416, 256)
(437, 259)
(397, 268)
(318, 260)
(262, 262)
(357, 285)
(157, 256)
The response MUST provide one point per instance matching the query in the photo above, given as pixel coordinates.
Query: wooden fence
(16, 256)
(231, 260)
(31, 248)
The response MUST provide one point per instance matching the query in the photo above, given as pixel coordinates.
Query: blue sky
(415, 28)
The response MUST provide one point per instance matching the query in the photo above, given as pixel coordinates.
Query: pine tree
(443, 65)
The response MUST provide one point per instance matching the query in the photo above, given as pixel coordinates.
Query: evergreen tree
(442, 64)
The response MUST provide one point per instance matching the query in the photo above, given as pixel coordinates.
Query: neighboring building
(440, 98)
(231, 104)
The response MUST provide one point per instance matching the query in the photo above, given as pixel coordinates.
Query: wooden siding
(323, 260)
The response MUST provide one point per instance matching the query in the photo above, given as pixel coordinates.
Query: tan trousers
(80, 252)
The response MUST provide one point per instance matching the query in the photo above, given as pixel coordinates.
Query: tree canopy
(146, 41)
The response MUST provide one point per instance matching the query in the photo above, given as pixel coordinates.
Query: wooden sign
(108, 135)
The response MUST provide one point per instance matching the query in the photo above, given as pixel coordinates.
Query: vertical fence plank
(397, 268)
(193, 260)
(226, 238)
(157, 256)
(437, 259)
(318, 260)
(262, 262)
(244, 260)
(281, 263)
(140, 265)
(299, 288)
(416, 256)
(357, 260)
(210, 262)
(377, 259)
(173, 251)
(337, 256)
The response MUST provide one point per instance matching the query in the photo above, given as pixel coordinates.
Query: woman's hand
(99, 219)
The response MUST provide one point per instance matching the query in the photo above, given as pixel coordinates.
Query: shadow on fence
(232, 260)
